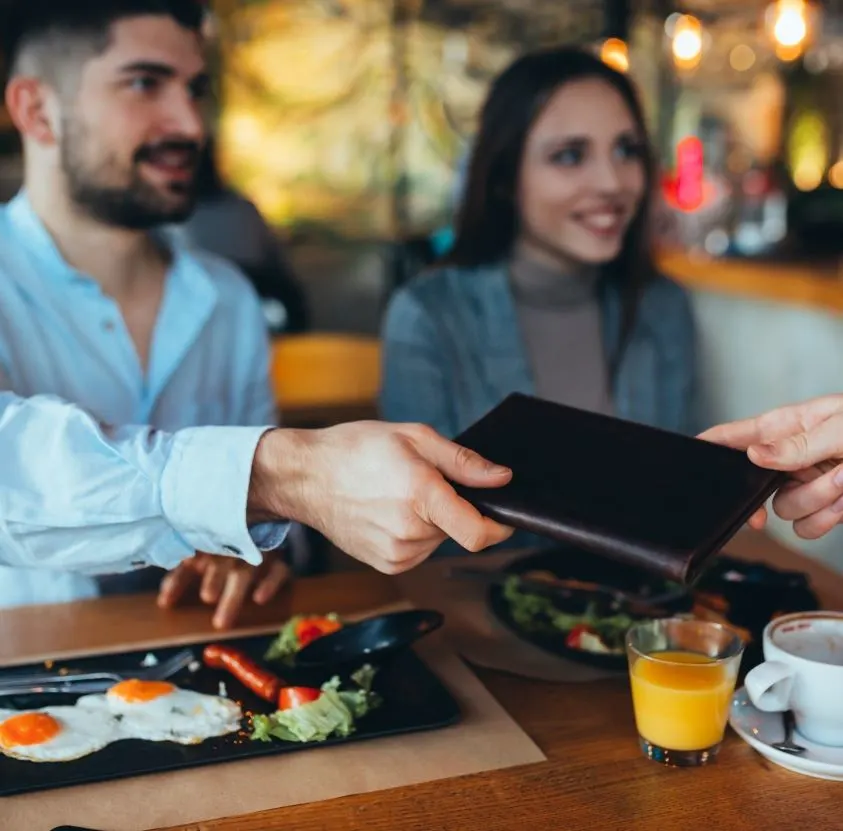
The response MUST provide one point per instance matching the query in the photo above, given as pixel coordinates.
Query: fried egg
(159, 711)
(54, 734)
(152, 710)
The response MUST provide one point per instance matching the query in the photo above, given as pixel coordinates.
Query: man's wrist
(277, 484)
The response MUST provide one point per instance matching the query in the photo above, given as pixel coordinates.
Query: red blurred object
(689, 173)
(310, 628)
(687, 189)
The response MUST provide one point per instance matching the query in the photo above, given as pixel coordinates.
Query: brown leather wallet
(648, 497)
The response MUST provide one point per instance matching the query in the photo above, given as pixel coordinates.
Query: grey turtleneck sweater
(560, 321)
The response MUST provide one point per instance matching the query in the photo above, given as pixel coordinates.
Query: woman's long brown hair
(487, 221)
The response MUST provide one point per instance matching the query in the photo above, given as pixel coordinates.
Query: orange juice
(681, 699)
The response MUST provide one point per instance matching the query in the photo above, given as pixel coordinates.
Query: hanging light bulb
(687, 42)
(615, 53)
(789, 24)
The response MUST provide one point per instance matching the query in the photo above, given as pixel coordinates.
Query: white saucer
(761, 730)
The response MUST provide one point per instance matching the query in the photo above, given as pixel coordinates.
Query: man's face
(132, 135)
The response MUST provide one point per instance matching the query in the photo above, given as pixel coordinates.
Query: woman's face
(582, 176)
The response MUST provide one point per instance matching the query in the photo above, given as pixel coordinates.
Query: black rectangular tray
(414, 700)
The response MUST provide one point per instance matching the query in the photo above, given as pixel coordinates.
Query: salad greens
(334, 713)
(535, 613)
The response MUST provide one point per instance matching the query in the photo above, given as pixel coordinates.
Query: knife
(69, 687)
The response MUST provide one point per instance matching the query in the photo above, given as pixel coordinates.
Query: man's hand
(806, 440)
(225, 582)
(377, 490)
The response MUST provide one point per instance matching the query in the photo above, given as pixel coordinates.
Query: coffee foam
(818, 639)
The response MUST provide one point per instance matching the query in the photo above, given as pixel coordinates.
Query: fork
(91, 681)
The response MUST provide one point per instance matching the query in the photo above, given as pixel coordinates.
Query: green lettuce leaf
(334, 713)
(536, 613)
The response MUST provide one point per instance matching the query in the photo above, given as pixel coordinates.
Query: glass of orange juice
(682, 673)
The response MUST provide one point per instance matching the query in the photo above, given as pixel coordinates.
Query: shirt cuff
(268, 536)
(204, 489)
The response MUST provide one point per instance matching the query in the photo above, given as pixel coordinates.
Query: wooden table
(594, 780)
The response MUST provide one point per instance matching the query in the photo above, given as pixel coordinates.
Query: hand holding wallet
(648, 497)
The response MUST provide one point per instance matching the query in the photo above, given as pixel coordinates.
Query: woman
(550, 287)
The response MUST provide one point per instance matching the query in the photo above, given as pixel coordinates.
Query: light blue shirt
(75, 497)
(60, 335)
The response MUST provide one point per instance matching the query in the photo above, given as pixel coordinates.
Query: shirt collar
(190, 294)
(34, 236)
(191, 278)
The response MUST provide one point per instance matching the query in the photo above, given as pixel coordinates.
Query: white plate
(761, 730)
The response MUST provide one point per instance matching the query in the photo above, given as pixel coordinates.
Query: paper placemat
(485, 739)
(475, 632)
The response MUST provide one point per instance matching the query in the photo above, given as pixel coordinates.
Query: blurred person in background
(102, 306)
(550, 287)
(227, 224)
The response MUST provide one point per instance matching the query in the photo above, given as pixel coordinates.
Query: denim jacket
(452, 350)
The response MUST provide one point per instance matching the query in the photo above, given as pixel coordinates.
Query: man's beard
(136, 205)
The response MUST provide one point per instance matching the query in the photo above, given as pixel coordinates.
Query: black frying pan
(373, 641)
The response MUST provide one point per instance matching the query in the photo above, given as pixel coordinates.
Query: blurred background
(345, 123)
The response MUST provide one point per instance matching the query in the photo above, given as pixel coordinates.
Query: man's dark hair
(61, 25)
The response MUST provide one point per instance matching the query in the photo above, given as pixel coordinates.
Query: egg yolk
(134, 691)
(28, 729)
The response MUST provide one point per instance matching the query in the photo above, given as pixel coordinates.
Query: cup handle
(769, 686)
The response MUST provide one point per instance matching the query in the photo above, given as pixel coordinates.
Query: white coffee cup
(803, 672)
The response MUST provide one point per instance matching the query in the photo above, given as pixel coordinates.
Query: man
(74, 498)
(807, 440)
(99, 311)
(98, 307)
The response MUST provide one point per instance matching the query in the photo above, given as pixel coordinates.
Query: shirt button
(233, 550)
(108, 325)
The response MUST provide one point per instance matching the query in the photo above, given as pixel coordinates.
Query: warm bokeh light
(790, 26)
(742, 58)
(309, 104)
(687, 41)
(788, 53)
(808, 149)
(789, 23)
(807, 175)
(835, 175)
(615, 53)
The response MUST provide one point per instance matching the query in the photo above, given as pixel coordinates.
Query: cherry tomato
(310, 628)
(574, 636)
(291, 697)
